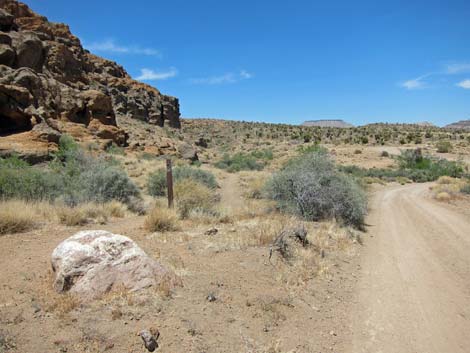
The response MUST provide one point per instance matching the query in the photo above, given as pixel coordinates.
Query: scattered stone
(202, 142)
(92, 262)
(212, 231)
(150, 338)
(211, 298)
(186, 151)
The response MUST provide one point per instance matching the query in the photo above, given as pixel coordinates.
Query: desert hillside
(50, 85)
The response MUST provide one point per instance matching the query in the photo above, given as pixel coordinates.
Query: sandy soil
(259, 307)
(414, 292)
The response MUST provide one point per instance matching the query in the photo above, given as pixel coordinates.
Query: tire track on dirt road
(414, 291)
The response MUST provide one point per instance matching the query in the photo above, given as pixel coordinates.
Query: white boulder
(92, 262)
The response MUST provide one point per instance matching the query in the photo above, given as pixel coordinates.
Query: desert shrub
(384, 154)
(444, 146)
(103, 183)
(18, 180)
(156, 183)
(311, 186)
(192, 196)
(266, 154)
(418, 169)
(115, 149)
(73, 176)
(239, 161)
(312, 148)
(465, 189)
(161, 220)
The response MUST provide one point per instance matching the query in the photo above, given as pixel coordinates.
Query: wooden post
(169, 182)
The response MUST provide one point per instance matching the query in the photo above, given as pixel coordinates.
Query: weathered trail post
(169, 182)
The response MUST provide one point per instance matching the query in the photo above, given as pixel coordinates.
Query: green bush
(412, 165)
(156, 183)
(73, 176)
(311, 186)
(27, 183)
(239, 161)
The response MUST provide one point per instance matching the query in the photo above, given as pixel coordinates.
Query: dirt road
(414, 292)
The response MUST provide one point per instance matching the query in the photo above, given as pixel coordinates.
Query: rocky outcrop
(93, 262)
(47, 78)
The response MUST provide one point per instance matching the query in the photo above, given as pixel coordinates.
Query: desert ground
(398, 285)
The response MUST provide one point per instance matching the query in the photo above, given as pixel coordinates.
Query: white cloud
(465, 84)
(151, 75)
(458, 68)
(228, 77)
(245, 74)
(416, 83)
(110, 46)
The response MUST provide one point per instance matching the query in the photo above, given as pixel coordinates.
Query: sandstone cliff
(49, 84)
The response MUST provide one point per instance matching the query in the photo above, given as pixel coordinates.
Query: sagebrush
(311, 186)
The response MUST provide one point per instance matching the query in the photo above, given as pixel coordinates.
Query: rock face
(92, 262)
(327, 123)
(462, 124)
(48, 78)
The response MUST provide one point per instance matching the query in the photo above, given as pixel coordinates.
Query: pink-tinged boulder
(92, 262)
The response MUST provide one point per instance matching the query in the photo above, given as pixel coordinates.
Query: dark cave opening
(10, 125)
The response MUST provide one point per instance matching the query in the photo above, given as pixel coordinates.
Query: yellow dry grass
(16, 216)
(447, 188)
(161, 219)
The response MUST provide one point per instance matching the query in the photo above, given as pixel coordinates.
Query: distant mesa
(462, 124)
(425, 124)
(328, 123)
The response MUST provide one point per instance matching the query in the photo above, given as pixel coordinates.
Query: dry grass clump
(115, 209)
(447, 188)
(16, 216)
(373, 180)
(245, 233)
(58, 303)
(193, 196)
(253, 184)
(89, 212)
(71, 216)
(217, 215)
(443, 196)
(403, 180)
(161, 219)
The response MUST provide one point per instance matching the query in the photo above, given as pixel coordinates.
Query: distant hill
(328, 123)
(462, 124)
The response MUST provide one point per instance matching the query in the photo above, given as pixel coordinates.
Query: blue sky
(280, 61)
